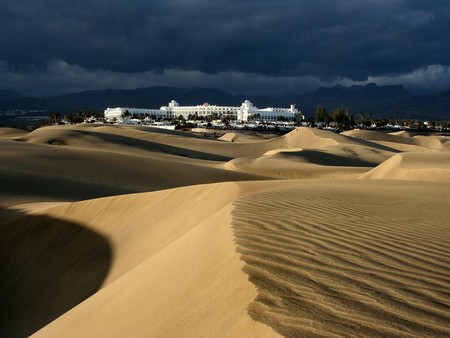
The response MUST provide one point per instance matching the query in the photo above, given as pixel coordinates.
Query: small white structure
(247, 111)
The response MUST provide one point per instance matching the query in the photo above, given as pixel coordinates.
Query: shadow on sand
(47, 267)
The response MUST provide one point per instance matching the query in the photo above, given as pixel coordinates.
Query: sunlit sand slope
(333, 259)
(140, 225)
(175, 271)
(240, 138)
(431, 166)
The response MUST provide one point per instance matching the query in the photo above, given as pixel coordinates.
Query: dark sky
(249, 46)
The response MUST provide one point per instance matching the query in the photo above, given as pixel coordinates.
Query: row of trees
(52, 119)
(341, 118)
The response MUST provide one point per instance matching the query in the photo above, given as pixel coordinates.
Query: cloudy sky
(51, 47)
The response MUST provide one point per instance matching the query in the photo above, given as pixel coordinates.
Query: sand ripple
(364, 267)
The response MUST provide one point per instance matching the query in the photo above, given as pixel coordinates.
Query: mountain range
(382, 101)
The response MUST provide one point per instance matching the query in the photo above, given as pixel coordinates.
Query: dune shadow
(371, 144)
(154, 146)
(26, 187)
(328, 159)
(153, 130)
(48, 266)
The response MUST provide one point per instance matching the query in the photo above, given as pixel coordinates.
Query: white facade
(113, 113)
(117, 113)
(242, 113)
(200, 110)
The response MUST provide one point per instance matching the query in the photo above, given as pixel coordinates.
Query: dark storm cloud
(325, 40)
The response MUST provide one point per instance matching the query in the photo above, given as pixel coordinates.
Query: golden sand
(113, 231)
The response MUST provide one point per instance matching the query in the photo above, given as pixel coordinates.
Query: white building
(200, 110)
(118, 113)
(248, 110)
(242, 113)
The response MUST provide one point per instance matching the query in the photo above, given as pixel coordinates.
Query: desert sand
(114, 231)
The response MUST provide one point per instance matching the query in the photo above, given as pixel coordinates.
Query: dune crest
(403, 140)
(11, 133)
(431, 166)
(162, 260)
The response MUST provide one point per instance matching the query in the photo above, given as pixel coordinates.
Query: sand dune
(299, 165)
(321, 267)
(125, 139)
(375, 265)
(432, 166)
(441, 143)
(84, 164)
(239, 137)
(11, 133)
(380, 136)
(162, 260)
(313, 153)
(171, 234)
(403, 141)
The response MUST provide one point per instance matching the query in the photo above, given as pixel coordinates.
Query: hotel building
(240, 113)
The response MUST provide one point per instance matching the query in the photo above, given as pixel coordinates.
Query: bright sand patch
(240, 138)
(430, 166)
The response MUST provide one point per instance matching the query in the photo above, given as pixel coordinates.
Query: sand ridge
(403, 140)
(11, 133)
(158, 271)
(430, 166)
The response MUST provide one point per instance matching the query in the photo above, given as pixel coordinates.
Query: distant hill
(357, 99)
(99, 100)
(370, 93)
(386, 101)
(435, 105)
(382, 101)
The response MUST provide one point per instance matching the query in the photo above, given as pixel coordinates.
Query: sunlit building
(120, 112)
(247, 111)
